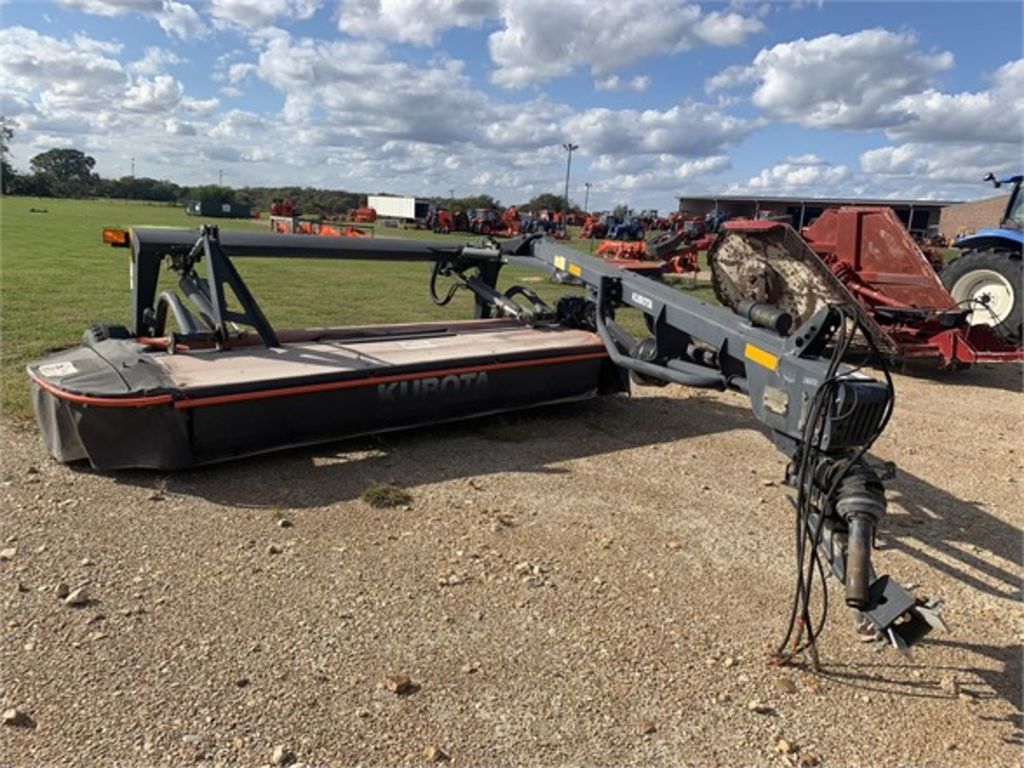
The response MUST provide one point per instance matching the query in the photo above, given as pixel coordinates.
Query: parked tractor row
(954, 312)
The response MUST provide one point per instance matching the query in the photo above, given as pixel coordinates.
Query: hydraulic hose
(682, 372)
(185, 320)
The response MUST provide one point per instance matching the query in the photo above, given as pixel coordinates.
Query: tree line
(65, 172)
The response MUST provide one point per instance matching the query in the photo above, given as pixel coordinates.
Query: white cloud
(667, 175)
(726, 29)
(113, 7)
(241, 70)
(160, 94)
(15, 104)
(806, 173)
(87, 44)
(956, 138)
(730, 77)
(199, 107)
(64, 73)
(542, 40)
(181, 21)
(994, 115)
(238, 124)
(256, 14)
(412, 21)
(638, 84)
(73, 92)
(175, 18)
(953, 163)
(432, 127)
(686, 129)
(839, 81)
(808, 158)
(154, 60)
(178, 127)
(422, 104)
(530, 125)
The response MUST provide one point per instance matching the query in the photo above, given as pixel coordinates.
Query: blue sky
(664, 98)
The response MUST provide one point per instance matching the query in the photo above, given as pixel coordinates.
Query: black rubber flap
(112, 368)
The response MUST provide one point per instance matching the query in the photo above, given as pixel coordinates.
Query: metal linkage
(823, 415)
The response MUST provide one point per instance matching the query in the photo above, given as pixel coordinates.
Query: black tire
(970, 277)
(98, 332)
(663, 244)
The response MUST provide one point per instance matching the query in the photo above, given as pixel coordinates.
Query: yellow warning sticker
(575, 270)
(759, 356)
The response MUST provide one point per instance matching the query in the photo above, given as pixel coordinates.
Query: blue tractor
(988, 275)
(625, 228)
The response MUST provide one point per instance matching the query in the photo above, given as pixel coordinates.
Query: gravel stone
(77, 597)
(568, 673)
(16, 718)
(950, 684)
(434, 754)
(399, 684)
(785, 685)
(282, 756)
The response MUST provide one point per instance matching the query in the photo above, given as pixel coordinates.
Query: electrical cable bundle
(808, 559)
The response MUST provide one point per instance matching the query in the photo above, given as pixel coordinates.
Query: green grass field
(56, 278)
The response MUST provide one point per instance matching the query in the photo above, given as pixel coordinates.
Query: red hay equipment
(862, 256)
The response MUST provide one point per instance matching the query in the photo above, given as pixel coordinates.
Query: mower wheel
(98, 332)
(662, 245)
(990, 283)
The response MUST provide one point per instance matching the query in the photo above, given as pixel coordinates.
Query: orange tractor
(669, 252)
(293, 225)
(440, 220)
(285, 207)
(593, 227)
(364, 215)
(484, 221)
(512, 225)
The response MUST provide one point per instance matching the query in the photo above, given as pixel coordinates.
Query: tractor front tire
(991, 283)
(664, 244)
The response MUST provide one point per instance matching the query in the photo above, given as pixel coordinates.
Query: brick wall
(971, 216)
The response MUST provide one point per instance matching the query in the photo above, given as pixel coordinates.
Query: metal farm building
(919, 216)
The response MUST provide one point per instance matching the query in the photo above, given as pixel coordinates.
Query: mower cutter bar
(822, 415)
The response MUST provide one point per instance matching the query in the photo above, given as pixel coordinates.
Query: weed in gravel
(383, 496)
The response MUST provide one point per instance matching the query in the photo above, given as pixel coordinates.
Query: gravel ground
(597, 584)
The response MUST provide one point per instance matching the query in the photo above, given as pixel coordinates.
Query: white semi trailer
(395, 207)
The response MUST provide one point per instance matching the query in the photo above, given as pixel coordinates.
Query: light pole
(570, 148)
(586, 197)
